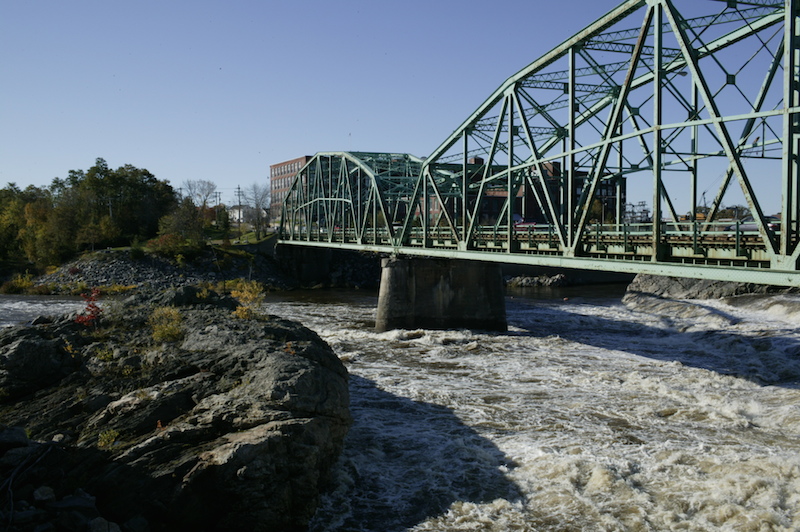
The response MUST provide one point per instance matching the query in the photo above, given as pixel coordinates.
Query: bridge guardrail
(712, 242)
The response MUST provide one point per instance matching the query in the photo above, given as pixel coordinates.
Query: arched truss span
(693, 105)
(360, 196)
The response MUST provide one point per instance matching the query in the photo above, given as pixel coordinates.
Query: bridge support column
(440, 294)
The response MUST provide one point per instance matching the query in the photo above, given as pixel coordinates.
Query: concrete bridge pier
(440, 294)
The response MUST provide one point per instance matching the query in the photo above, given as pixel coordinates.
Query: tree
(95, 232)
(98, 207)
(258, 199)
(596, 211)
(200, 191)
(13, 224)
(130, 199)
(224, 223)
(37, 242)
(734, 212)
(185, 223)
(145, 200)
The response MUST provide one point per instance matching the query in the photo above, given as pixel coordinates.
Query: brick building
(281, 176)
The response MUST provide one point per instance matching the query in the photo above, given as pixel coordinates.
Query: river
(17, 309)
(584, 416)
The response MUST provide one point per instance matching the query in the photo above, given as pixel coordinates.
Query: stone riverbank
(118, 268)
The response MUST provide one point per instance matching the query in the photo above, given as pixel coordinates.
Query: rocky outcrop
(117, 267)
(673, 296)
(523, 281)
(685, 288)
(231, 424)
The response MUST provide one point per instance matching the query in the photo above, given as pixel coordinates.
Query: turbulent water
(15, 309)
(585, 416)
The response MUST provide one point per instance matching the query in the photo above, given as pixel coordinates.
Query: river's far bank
(121, 270)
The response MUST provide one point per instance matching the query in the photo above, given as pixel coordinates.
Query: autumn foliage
(91, 314)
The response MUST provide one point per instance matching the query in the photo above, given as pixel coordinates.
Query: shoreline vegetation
(122, 210)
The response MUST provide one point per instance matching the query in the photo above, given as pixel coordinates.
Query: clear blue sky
(220, 90)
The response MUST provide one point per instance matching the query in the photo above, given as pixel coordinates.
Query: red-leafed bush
(91, 314)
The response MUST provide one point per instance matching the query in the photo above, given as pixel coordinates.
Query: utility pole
(239, 207)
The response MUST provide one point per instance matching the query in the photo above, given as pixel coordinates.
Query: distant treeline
(99, 207)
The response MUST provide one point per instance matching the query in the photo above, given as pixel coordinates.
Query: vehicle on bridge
(749, 224)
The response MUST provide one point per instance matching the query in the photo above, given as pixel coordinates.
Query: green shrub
(19, 284)
(167, 245)
(105, 354)
(166, 324)
(107, 438)
(137, 250)
(40, 290)
(251, 296)
(115, 289)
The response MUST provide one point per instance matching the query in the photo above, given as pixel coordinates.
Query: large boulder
(232, 424)
(30, 361)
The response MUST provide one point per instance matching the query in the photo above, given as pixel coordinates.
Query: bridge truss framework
(705, 98)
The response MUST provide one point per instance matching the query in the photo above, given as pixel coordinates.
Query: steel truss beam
(670, 96)
(361, 193)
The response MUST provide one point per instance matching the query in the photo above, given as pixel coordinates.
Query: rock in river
(227, 424)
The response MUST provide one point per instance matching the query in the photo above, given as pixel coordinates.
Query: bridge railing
(695, 242)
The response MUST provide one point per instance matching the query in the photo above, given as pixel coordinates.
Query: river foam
(15, 309)
(586, 415)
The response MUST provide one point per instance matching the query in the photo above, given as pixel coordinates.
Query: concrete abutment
(440, 294)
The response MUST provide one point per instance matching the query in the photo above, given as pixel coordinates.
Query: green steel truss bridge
(690, 101)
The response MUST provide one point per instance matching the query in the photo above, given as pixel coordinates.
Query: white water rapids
(584, 416)
(19, 309)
